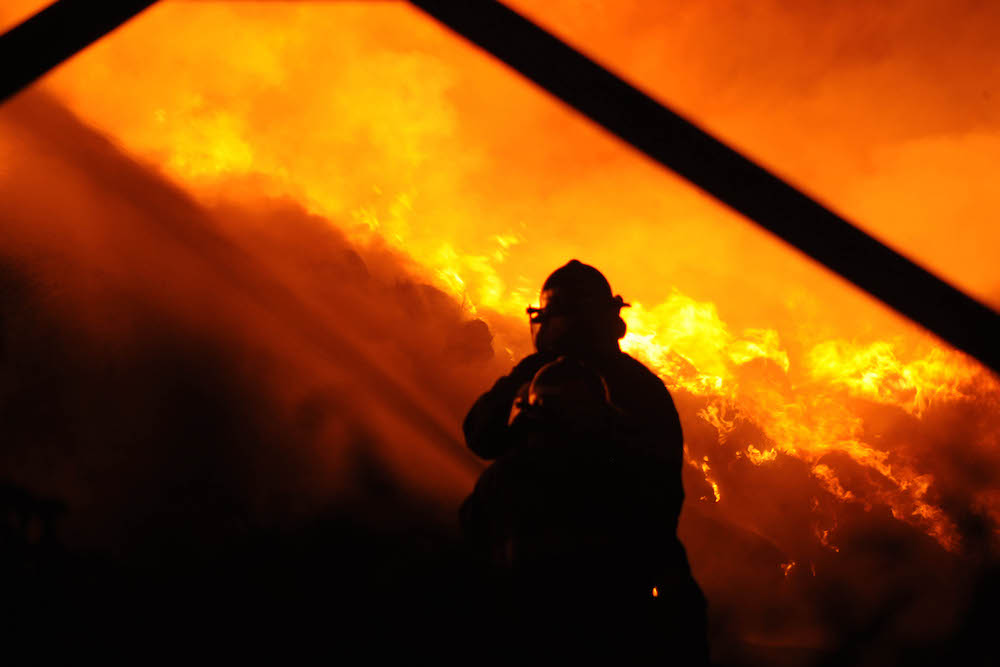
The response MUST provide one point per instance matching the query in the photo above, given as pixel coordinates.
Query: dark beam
(722, 172)
(58, 32)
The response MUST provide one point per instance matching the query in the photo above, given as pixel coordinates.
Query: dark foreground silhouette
(575, 522)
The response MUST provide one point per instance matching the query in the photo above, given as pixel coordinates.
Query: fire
(874, 372)
(759, 457)
(705, 468)
(411, 142)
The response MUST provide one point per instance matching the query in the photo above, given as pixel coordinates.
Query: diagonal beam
(32, 48)
(722, 172)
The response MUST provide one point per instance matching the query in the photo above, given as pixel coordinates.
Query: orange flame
(410, 141)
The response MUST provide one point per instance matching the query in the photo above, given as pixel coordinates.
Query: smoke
(173, 371)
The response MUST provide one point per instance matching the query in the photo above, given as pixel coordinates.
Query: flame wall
(827, 438)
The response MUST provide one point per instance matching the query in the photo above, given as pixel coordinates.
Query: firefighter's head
(566, 391)
(578, 316)
(566, 385)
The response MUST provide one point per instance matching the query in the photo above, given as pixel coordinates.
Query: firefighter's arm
(670, 442)
(485, 426)
(662, 442)
(662, 430)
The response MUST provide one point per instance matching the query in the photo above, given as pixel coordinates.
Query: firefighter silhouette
(576, 517)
